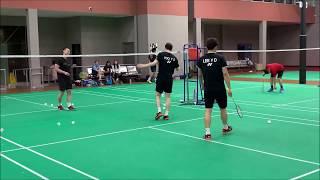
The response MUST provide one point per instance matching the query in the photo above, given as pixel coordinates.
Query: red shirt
(275, 68)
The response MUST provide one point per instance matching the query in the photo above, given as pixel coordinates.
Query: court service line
(105, 134)
(31, 102)
(306, 174)
(109, 133)
(238, 147)
(250, 104)
(153, 92)
(293, 122)
(155, 127)
(196, 107)
(31, 95)
(253, 103)
(302, 119)
(49, 158)
(24, 167)
(148, 101)
(302, 107)
(297, 102)
(93, 105)
(294, 109)
(179, 95)
(28, 112)
(268, 104)
(140, 100)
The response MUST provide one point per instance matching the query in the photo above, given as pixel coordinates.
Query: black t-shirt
(107, 69)
(211, 66)
(152, 57)
(64, 65)
(167, 63)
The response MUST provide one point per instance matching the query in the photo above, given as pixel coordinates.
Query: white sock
(166, 113)
(69, 104)
(159, 109)
(60, 104)
(226, 126)
(207, 131)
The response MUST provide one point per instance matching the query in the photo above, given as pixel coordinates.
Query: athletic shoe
(71, 108)
(225, 131)
(166, 117)
(207, 137)
(281, 90)
(149, 82)
(60, 107)
(270, 90)
(158, 116)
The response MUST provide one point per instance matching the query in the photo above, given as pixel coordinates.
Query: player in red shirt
(275, 69)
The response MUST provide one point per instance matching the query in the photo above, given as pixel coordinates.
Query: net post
(303, 43)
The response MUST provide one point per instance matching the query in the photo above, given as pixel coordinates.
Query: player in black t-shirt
(167, 64)
(213, 70)
(153, 69)
(63, 68)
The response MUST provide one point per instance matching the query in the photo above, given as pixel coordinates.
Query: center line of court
(236, 146)
(24, 167)
(49, 158)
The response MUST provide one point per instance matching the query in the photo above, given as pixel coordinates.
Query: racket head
(238, 109)
(239, 112)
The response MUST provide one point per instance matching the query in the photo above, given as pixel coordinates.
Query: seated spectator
(108, 73)
(96, 74)
(116, 70)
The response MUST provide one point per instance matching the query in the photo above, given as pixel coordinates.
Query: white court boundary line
(30, 112)
(268, 104)
(49, 158)
(252, 103)
(279, 120)
(155, 128)
(302, 107)
(24, 167)
(104, 134)
(236, 146)
(173, 103)
(30, 102)
(153, 92)
(297, 102)
(148, 101)
(306, 174)
(286, 117)
(132, 87)
(243, 111)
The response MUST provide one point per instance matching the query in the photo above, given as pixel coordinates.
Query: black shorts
(279, 74)
(219, 97)
(164, 85)
(153, 68)
(64, 83)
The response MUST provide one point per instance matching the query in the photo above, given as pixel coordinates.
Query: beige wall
(164, 28)
(161, 29)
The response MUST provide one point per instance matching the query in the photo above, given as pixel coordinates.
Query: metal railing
(29, 73)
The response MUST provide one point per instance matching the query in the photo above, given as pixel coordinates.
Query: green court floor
(289, 75)
(113, 135)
